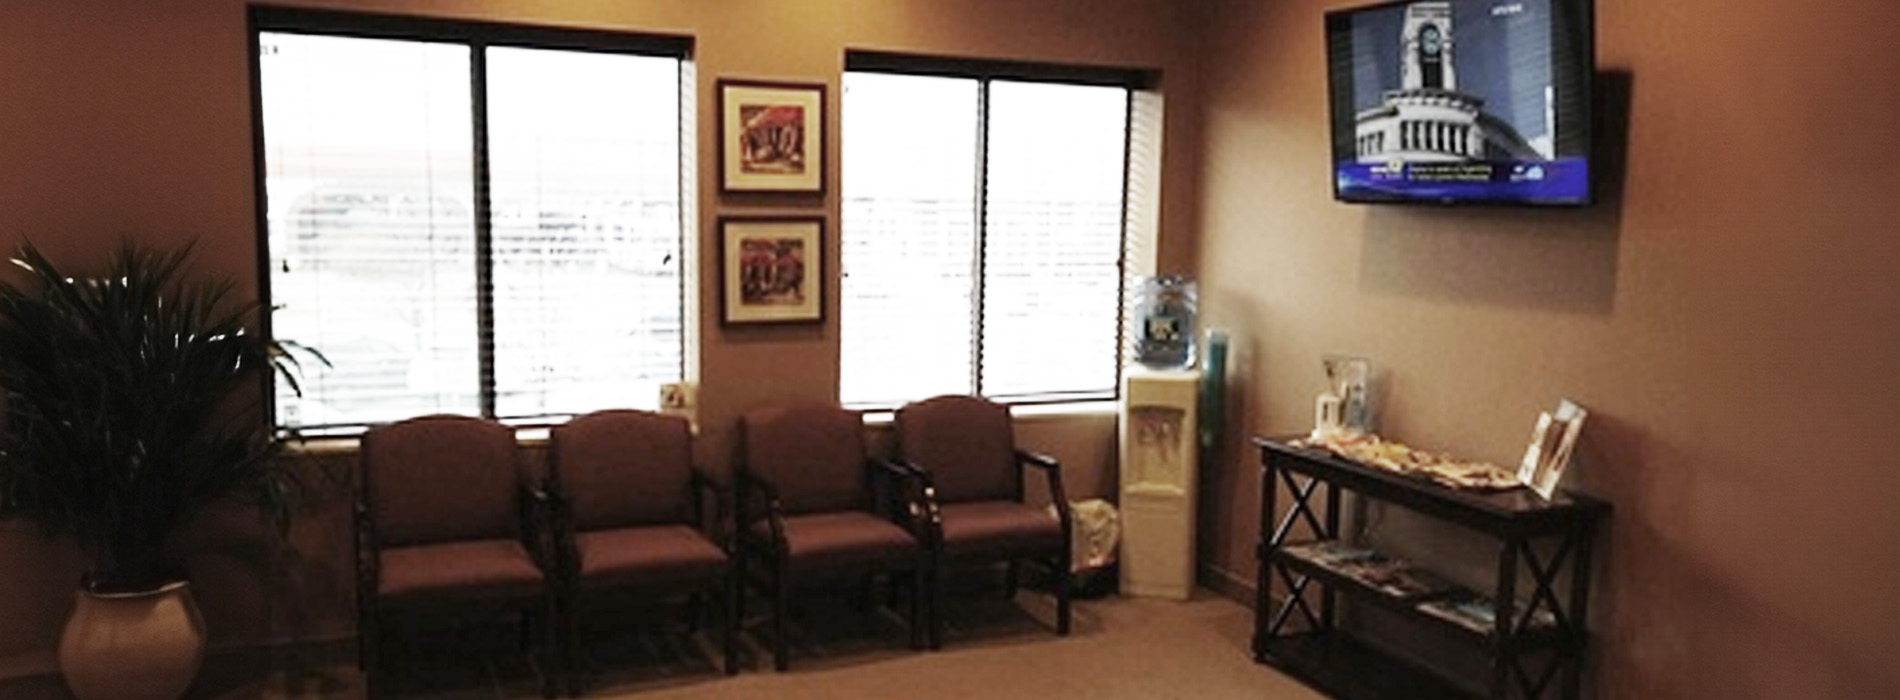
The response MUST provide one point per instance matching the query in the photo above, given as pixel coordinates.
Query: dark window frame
(477, 35)
(986, 71)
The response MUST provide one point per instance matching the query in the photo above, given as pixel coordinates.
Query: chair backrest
(966, 442)
(441, 478)
(623, 468)
(813, 453)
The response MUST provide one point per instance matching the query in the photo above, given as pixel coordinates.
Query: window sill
(1028, 412)
(349, 445)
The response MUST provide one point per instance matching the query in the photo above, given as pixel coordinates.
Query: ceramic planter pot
(132, 646)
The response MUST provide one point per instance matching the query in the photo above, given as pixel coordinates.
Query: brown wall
(1728, 314)
(133, 119)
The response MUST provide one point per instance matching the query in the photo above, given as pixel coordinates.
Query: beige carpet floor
(1121, 648)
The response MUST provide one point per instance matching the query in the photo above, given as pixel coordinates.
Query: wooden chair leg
(935, 589)
(1065, 584)
(568, 629)
(365, 637)
(368, 647)
(867, 592)
(738, 589)
(729, 627)
(920, 586)
(780, 646)
(695, 608)
(545, 625)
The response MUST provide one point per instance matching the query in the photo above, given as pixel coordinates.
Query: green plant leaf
(133, 402)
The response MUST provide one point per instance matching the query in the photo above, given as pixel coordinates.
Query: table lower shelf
(1344, 668)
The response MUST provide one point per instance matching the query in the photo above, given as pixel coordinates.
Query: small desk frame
(1521, 522)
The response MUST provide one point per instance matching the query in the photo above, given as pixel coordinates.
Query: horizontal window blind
(374, 235)
(982, 237)
(371, 229)
(586, 232)
(907, 316)
(1053, 241)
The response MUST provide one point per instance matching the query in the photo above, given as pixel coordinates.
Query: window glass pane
(584, 160)
(910, 146)
(367, 177)
(1052, 243)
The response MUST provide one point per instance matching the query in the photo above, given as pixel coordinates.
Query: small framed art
(771, 136)
(772, 270)
(1552, 441)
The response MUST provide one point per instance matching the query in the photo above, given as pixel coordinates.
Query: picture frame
(1552, 441)
(771, 270)
(771, 136)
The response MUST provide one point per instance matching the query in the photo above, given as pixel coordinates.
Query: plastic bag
(1097, 533)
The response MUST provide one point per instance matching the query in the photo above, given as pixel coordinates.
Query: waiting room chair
(809, 502)
(446, 523)
(966, 447)
(628, 513)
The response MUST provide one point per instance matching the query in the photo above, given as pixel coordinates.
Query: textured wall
(1727, 312)
(133, 119)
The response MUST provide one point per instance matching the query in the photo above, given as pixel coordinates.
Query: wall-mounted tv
(1462, 101)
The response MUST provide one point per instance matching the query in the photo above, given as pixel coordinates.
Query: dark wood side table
(1534, 645)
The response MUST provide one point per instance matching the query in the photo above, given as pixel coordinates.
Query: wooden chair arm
(720, 527)
(1053, 469)
(535, 514)
(917, 508)
(368, 564)
(1037, 459)
(746, 485)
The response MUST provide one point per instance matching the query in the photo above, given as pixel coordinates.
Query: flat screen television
(1462, 101)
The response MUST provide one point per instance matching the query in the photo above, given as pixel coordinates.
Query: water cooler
(1159, 458)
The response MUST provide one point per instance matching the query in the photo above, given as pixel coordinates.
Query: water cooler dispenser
(1159, 458)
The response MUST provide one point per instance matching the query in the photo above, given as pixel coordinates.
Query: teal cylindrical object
(1213, 390)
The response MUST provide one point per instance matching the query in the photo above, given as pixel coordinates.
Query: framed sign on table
(772, 270)
(771, 136)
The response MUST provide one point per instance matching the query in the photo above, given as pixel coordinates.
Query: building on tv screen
(1456, 98)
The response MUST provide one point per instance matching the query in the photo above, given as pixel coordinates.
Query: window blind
(908, 319)
(586, 230)
(374, 235)
(982, 238)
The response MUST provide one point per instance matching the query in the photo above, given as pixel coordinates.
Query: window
(984, 209)
(471, 219)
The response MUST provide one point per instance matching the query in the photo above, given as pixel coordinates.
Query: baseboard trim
(46, 663)
(1228, 584)
(29, 664)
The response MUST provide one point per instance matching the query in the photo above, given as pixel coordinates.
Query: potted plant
(132, 403)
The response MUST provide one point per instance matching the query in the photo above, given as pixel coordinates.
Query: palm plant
(132, 402)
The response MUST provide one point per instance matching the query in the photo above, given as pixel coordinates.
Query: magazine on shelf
(1402, 579)
(1391, 575)
(1476, 613)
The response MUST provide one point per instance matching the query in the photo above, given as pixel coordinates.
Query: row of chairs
(449, 516)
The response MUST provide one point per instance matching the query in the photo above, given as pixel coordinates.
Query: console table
(1529, 641)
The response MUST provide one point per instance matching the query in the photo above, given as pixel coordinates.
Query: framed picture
(771, 136)
(772, 270)
(1552, 441)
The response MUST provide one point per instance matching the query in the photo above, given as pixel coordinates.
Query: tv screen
(1462, 101)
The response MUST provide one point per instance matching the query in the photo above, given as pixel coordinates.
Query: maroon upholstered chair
(809, 502)
(966, 447)
(445, 522)
(628, 513)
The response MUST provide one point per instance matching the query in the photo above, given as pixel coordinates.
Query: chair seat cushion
(474, 570)
(851, 540)
(999, 528)
(657, 556)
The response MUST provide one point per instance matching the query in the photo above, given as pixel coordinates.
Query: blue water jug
(1164, 322)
